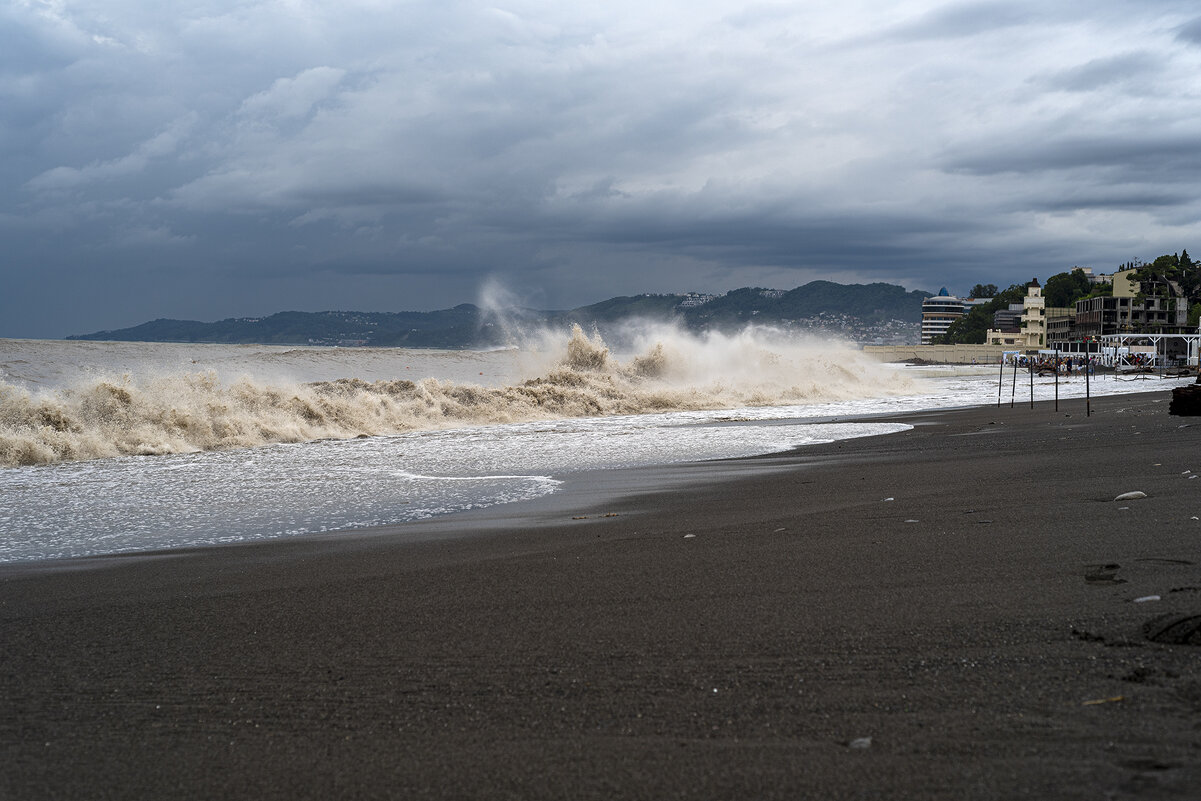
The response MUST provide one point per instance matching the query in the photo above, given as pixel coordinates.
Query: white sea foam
(232, 406)
(490, 428)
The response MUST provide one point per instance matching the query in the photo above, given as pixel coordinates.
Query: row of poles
(1013, 390)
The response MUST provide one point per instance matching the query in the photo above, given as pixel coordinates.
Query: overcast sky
(226, 158)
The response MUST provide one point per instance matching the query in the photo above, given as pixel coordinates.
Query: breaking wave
(198, 411)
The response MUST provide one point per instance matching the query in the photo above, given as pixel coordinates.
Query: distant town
(1151, 308)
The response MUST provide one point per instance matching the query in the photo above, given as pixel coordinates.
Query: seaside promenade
(959, 611)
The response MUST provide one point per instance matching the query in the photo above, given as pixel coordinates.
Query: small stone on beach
(1130, 496)
(860, 742)
(1145, 599)
(689, 536)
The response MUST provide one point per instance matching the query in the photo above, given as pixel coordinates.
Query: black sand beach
(945, 613)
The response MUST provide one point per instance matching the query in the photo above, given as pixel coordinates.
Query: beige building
(1034, 323)
(1123, 286)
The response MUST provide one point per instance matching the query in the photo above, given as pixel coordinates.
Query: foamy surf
(83, 508)
(484, 433)
(188, 412)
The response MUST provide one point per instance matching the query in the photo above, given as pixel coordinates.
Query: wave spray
(576, 376)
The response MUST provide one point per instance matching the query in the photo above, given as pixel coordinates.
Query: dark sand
(965, 626)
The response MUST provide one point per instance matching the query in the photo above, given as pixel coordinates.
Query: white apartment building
(938, 312)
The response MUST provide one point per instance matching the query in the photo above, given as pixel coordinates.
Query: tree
(1190, 275)
(1064, 289)
(1156, 279)
(983, 291)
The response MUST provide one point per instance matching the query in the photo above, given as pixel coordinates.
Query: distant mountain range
(854, 310)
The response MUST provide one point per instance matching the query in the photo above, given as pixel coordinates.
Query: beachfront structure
(1034, 320)
(1146, 318)
(1032, 328)
(1060, 322)
(1148, 307)
(1102, 316)
(1107, 315)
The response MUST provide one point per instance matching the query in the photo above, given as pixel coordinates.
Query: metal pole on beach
(1013, 390)
(1032, 383)
(1088, 368)
(1056, 365)
(1001, 380)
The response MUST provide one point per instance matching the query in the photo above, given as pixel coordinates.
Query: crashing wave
(199, 412)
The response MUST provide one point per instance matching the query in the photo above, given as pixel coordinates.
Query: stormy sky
(228, 158)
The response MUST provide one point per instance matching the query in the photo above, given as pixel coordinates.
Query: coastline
(945, 592)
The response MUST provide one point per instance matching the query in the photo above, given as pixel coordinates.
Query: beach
(955, 611)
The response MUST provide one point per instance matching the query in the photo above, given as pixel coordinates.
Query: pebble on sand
(1130, 496)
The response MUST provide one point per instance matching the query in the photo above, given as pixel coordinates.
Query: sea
(115, 447)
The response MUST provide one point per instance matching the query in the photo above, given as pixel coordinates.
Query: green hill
(467, 326)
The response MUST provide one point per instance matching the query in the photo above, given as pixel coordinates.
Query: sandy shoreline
(979, 627)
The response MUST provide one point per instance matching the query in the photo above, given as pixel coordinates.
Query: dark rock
(1186, 401)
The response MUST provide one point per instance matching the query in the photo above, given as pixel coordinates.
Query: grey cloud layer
(243, 157)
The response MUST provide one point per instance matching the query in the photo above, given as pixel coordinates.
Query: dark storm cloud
(956, 20)
(1150, 157)
(1190, 31)
(1129, 68)
(1117, 199)
(237, 158)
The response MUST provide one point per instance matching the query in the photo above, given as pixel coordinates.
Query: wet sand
(948, 613)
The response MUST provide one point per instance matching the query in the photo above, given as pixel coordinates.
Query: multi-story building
(1032, 327)
(1009, 319)
(1101, 316)
(1061, 321)
(1034, 315)
(1142, 308)
(938, 312)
